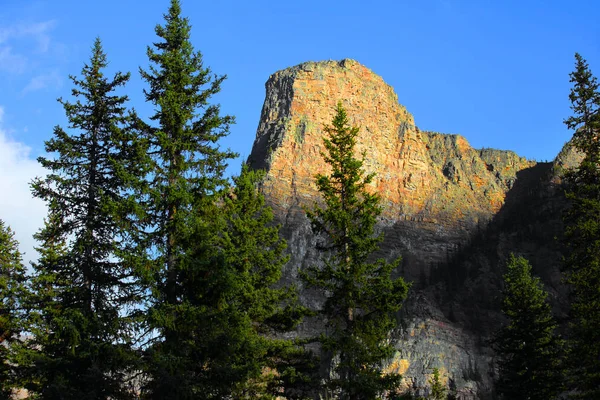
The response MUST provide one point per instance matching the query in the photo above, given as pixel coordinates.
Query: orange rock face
(422, 176)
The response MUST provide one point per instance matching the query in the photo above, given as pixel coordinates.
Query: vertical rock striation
(434, 183)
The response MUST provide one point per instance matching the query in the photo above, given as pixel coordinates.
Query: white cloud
(18, 208)
(38, 31)
(29, 38)
(12, 62)
(49, 80)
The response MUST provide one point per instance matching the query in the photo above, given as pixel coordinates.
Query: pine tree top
(585, 103)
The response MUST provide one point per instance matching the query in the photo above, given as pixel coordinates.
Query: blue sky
(495, 72)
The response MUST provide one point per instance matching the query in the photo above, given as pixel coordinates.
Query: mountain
(452, 212)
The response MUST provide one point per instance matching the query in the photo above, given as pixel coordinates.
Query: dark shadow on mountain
(467, 287)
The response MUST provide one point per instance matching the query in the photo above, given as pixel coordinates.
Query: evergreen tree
(528, 347)
(438, 390)
(190, 283)
(254, 256)
(361, 295)
(81, 288)
(12, 288)
(582, 233)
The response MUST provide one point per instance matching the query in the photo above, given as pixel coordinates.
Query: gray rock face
(429, 340)
(453, 213)
(273, 120)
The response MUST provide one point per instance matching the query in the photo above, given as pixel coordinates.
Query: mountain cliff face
(445, 207)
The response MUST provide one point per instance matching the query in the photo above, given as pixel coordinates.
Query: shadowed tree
(12, 290)
(582, 234)
(528, 348)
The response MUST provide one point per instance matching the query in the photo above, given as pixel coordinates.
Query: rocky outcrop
(440, 197)
(436, 180)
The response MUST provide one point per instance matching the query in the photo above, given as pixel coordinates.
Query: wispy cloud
(23, 213)
(49, 80)
(39, 32)
(29, 39)
(12, 62)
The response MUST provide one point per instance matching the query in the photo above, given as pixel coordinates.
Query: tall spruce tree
(81, 347)
(12, 290)
(361, 295)
(582, 233)
(183, 265)
(528, 347)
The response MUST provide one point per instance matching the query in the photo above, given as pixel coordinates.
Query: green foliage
(438, 390)
(528, 348)
(245, 360)
(361, 296)
(12, 288)
(582, 234)
(255, 252)
(255, 256)
(175, 253)
(210, 257)
(82, 344)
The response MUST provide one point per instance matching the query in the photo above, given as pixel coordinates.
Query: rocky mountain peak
(452, 212)
(436, 179)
